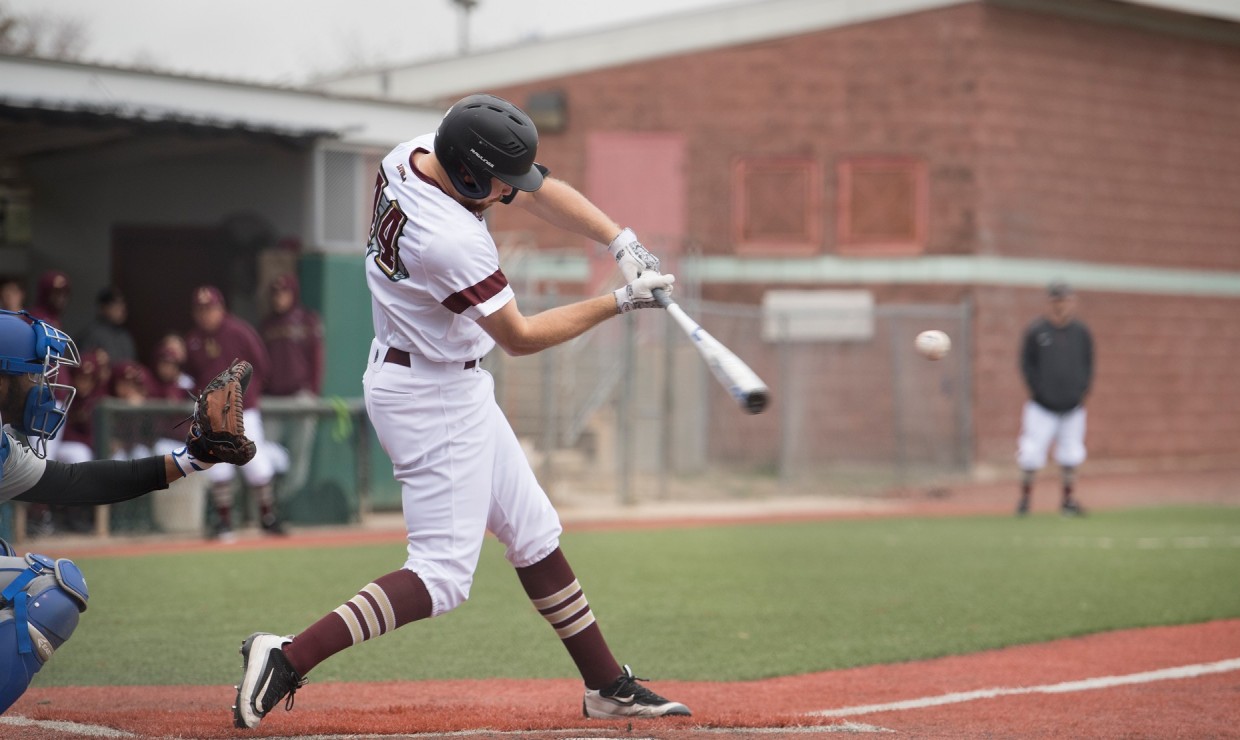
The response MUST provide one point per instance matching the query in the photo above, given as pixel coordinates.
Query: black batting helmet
(485, 136)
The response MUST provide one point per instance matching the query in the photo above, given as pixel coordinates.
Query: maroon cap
(53, 280)
(94, 362)
(208, 295)
(131, 372)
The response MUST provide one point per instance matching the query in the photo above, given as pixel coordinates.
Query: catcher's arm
(97, 482)
(217, 428)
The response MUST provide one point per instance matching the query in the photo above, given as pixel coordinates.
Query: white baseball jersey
(433, 270)
(428, 253)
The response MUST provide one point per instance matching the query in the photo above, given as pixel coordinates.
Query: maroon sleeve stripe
(477, 293)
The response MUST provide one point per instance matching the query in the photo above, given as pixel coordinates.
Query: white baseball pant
(462, 472)
(1039, 427)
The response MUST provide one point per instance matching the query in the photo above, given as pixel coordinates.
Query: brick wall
(1045, 136)
(1108, 143)
(905, 86)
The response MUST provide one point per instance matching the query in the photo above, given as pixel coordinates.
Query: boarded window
(776, 206)
(882, 207)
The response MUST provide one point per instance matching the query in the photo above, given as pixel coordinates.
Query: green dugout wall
(335, 286)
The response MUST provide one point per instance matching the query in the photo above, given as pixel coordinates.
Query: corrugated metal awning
(30, 127)
(96, 100)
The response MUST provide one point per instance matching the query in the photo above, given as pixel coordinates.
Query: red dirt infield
(1098, 686)
(1160, 682)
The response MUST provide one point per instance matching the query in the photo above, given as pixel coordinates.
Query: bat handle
(662, 297)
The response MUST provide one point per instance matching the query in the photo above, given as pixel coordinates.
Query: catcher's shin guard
(39, 607)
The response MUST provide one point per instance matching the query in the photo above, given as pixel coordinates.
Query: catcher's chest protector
(40, 600)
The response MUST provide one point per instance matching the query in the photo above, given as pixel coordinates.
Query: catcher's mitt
(218, 432)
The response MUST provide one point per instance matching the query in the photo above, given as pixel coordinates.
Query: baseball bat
(732, 373)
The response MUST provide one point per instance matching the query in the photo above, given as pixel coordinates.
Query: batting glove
(632, 258)
(639, 293)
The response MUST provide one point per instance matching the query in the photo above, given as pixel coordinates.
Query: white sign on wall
(817, 316)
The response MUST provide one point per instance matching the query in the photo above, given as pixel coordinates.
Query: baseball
(933, 344)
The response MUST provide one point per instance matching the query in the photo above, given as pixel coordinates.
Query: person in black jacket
(1057, 361)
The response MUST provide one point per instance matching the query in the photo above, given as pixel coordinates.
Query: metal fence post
(624, 413)
(550, 404)
(666, 437)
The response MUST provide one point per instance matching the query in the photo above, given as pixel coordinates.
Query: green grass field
(712, 603)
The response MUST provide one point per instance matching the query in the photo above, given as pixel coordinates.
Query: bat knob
(662, 297)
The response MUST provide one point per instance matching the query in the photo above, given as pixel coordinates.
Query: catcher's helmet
(485, 136)
(30, 346)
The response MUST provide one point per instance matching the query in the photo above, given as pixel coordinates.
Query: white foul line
(75, 728)
(1104, 682)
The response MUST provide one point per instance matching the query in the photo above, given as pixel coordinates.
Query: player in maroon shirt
(51, 297)
(293, 335)
(219, 337)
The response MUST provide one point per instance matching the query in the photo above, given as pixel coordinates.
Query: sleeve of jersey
(20, 469)
(467, 279)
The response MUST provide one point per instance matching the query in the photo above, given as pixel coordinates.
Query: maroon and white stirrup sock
(391, 601)
(557, 596)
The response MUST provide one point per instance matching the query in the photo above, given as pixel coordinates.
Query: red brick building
(932, 152)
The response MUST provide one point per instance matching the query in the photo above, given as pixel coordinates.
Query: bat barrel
(756, 401)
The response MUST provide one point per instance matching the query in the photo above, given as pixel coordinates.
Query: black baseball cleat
(1022, 508)
(1071, 508)
(222, 533)
(266, 678)
(626, 698)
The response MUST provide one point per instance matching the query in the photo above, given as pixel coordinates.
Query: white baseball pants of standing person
(461, 470)
(1040, 427)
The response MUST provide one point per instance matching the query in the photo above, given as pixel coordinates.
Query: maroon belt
(401, 357)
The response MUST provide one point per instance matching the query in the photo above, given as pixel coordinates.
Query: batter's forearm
(560, 205)
(524, 335)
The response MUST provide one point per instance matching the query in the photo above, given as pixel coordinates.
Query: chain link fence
(629, 412)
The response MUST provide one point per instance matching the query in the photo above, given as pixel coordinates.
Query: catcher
(41, 597)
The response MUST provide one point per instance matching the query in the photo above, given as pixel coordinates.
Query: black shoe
(274, 528)
(1071, 508)
(627, 698)
(266, 678)
(41, 525)
(223, 533)
(1022, 509)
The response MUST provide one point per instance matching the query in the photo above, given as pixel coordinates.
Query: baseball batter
(41, 598)
(1057, 362)
(440, 303)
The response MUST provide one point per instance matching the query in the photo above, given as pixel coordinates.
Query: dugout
(157, 183)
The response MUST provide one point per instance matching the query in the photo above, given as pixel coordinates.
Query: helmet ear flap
(469, 183)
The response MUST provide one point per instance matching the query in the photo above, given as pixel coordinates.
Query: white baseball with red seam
(933, 344)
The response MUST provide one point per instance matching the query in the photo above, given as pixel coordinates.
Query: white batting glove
(632, 258)
(639, 293)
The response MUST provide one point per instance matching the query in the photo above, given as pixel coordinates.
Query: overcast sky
(290, 41)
